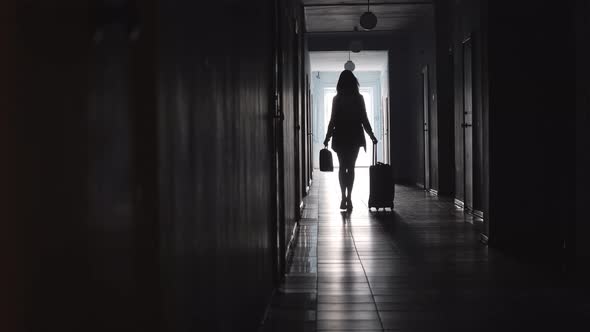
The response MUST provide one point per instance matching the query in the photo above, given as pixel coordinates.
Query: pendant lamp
(349, 65)
(368, 19)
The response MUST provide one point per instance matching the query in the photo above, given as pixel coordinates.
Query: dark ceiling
(344, 15)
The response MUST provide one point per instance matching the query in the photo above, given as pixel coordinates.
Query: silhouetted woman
(348, 119)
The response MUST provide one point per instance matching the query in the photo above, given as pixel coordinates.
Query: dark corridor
(156, 167)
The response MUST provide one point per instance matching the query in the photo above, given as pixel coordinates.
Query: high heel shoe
(343, 204)
(349, 205)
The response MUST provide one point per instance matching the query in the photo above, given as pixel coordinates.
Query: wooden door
(426, 126)
(385, 137)
(468, 123)
(309, 134)
(277, 118)
(297, 117)
(304, 137)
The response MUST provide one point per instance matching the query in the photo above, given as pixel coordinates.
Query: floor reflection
(420, 267)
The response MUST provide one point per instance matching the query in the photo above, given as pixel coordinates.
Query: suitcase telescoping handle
(374, 154)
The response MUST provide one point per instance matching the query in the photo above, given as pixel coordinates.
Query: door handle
(465, 125)
(279, 116)
(278, 112)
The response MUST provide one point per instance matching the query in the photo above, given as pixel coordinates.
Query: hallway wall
(456, 23)
(532, 128)
(467, 17)
(214, 88)
(52, 122)
(142, 177)
(420, 54)
(86, 235)
(405, 146)
(445, 124)
(290, 94)
(524, 92)
(10, 253)
(578, 234)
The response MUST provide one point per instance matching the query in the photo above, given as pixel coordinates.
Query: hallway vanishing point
(421, 267)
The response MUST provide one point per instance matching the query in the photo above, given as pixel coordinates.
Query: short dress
(347, 121)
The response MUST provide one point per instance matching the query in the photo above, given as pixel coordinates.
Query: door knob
(279, 115)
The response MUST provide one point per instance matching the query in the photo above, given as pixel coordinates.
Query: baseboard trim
(484, 238)
(291, 244)
(477, 213)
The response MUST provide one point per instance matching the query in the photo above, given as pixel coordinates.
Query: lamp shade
(368, 21)
(349, 65)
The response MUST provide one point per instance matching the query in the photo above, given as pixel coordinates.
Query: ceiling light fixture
(349, 65)
(356, 45)
(368, 19)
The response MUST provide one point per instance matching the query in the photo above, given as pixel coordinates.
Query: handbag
(326, 163)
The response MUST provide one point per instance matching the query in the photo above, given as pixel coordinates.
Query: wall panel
(87, 259)
(215, 175)
(290, 64)
(532, 128)
(579, 246)
(11, 252)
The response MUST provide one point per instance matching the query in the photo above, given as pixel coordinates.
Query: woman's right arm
(330, 124)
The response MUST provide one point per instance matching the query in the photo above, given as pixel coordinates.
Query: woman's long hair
(347, 84)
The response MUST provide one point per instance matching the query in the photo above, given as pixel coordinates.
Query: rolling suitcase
(382, 188)
(326, 162)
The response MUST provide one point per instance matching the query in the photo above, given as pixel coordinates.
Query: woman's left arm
(331, 124)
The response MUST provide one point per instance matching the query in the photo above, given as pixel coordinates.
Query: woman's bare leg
(351, 161)
(350, 182)
(343, 179)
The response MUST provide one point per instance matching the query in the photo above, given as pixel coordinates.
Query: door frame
(297, 118)
(467, 124)
(309, 133)
(385, 137)
(276, 118)
(426, 127)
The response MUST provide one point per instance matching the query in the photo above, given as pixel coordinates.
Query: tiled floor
(418, 268)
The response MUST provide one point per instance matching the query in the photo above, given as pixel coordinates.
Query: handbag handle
(374, 154)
